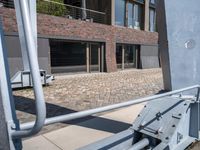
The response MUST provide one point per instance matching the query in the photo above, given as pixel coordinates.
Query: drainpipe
(84, 13)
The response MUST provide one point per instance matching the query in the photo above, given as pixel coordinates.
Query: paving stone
(71, 93)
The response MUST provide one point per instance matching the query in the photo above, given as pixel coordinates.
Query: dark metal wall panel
(15, 57)
(149, 56)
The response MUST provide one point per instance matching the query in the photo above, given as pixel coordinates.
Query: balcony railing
(55, 8)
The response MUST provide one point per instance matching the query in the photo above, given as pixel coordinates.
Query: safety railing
(86, 113)
(54, 8)
(31, 128)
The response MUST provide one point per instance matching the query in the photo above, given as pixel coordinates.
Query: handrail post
(34, 69)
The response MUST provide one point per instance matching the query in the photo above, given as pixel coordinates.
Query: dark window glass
(120, 12)
(119, 56)
(94, 58)
(130, 56)
(67, 56)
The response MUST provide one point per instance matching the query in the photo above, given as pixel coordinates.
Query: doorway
(127, 56)
(95, 57)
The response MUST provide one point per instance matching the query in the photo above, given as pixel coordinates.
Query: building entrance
(127, 56)
(69, 57)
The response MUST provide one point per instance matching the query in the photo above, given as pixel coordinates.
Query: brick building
(88, 35)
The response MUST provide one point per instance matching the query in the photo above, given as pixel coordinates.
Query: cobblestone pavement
(71, 93)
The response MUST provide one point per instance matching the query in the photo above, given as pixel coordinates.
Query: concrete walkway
(84, 133)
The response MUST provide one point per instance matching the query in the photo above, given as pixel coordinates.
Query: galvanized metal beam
(8, 114)
(34, 69)
(4, 138)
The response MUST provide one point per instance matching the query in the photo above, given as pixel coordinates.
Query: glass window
(130, 56)
(126, 58)
(152, 20)
(119, 56)
(135, 15)
(138, 15)
(153, 1)
(130, 15)
(120, 12)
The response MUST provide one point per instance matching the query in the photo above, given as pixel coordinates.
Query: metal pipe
(86, 113)
(84, 13)
(140, 145)
(34, 68)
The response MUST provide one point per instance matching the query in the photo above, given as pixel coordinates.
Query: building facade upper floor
(136, 14)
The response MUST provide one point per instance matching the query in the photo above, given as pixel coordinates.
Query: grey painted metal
(17, 81)
(84, 13)
(6, 98)
(21, 35)
(149, 56)
(4, 138)
(165, 122)
(179, 32)
(81, 114)
(121, 141)
(172, 122)
(140, 145)
(34, 68)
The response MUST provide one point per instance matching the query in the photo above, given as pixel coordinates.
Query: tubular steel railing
(23, 8)
(54, 8)
(86, 113)
(31, 128)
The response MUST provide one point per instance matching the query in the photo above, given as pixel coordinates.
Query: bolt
(173, 125)
(167, 138)
(180, 114)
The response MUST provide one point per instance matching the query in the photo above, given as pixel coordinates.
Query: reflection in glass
(119, 56)
(120, 12)
(130, 15)
(94, 57)
(152, 20)
(130, 56)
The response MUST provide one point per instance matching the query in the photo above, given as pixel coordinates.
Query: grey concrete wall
(15, 56)
(149, 56)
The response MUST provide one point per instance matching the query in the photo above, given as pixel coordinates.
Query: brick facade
(86, 31)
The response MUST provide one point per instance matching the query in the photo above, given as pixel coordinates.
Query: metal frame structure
(22, 78)
(169, 121)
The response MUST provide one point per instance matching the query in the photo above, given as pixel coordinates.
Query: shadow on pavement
(27, 105)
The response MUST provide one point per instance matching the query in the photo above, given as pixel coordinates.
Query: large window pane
(67, 56)
(152, 20)
(130, 15)
(126, 58)
(138, 15)
(130, 56)
(119, 56)
(120, 12)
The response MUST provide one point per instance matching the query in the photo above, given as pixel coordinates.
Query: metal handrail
(34, 68)
(103, 13)
(86, 113)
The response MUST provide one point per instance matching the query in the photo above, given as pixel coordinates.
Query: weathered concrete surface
(81, 134)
